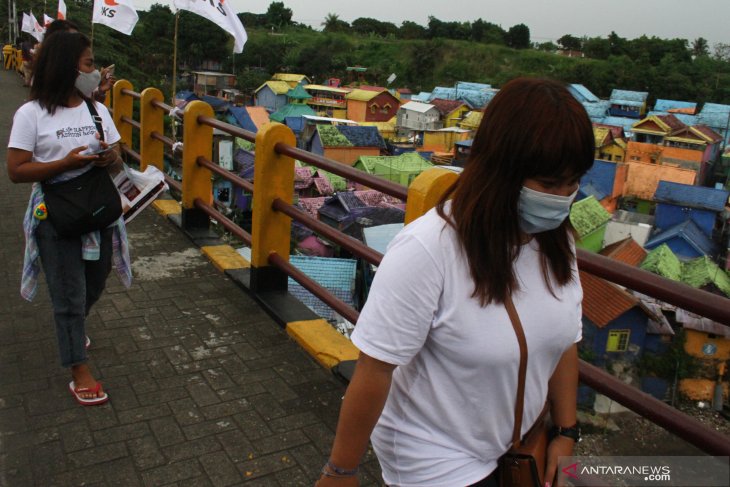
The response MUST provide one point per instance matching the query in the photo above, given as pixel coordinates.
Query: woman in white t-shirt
(51, 140)
(435, 385)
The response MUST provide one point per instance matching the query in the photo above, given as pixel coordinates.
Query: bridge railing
(273, 212)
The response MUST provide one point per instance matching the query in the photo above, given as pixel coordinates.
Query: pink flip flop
(77, 391)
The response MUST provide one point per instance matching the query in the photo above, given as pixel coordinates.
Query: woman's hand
(561, 446)
(75, 159)
(106, 158)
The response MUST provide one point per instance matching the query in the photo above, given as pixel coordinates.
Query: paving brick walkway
(206, 390)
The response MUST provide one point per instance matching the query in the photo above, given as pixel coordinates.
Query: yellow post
(151, 118)
(19, 61)
(8, 56)
(196, 180)
(271, 230)
(426, 190)
(122, 107)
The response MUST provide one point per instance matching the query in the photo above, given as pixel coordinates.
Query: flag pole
(92, 33)
(174, 59)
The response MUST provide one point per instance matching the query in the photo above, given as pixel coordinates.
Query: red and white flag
(61, 15)
(46, 21)
(32, 27)
(219, 12)
(120, 15)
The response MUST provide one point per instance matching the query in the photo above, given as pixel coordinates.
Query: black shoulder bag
(85, 203)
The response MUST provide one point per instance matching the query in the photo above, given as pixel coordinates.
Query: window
(618, 340)
(374, 108)
(386, 108)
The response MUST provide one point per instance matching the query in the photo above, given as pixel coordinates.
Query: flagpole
(174, 59)
(92, 33)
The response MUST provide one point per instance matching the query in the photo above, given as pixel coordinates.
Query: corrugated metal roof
(621, 96)
(582, 94)
(379, 237)
(476, 95)
(588, 189)
(417, 107)
(331, 137)
(446, 106)
(422, 97)
(702, 271)
(691, 196)
(623, 122)
(707, 133)
(687, 231)
(616, 131)
(603, 301)
(692, 321)
(335, 275)
(406, 162)
(278, 87)
(627, 251)
(588, 215)
(602, 176)
(597, 111)
(666, 105)
(683, 117)
(291, 110)
(663, 262)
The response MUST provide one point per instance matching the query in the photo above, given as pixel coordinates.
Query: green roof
(588, 215)
(408, 162)
(338, 182)
(331, 137)
(702, 271)
(291, 110)
(298, 93)
(663, 262)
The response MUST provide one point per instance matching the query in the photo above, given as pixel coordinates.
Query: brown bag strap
(519, 405)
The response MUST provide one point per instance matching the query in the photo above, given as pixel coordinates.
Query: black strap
(95, 117)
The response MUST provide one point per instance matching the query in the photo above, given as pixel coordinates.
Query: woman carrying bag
(435, 388)
(60, 140)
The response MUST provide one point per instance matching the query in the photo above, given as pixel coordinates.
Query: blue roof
(691, 196)
(582, 94)
(362, 136)
(625, 122)
(379, 237)
(464, 143)
(589, 189)
(688, 120)
(666, 105)
(423, 97)
(216, 103)
(476, 95)
(241, 118)
(186, 95)
(601, 177)
(597, 111)
(625, 97)
(716, 117)
(335, 275)
(690, 233)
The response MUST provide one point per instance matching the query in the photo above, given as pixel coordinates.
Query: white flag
(31, 26)
(219, 12)
(120, 15)
(61, 15)
(46, 20)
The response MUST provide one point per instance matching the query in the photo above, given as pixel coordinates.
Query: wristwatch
(572, 432)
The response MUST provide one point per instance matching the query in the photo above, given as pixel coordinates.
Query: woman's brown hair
(532, 128)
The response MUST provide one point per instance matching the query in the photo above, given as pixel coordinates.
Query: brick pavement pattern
(205, 389)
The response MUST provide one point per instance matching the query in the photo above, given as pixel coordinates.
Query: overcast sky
(547, 19)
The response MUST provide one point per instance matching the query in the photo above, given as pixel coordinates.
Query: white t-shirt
(51, 137)
(450, 411)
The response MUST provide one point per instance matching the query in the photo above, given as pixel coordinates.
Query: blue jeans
(74, 285)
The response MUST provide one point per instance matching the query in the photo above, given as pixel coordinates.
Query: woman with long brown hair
(435, 384)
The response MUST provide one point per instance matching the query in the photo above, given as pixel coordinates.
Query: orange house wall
(356, 110)
(348, 155)
(645, 152)
(643, 179)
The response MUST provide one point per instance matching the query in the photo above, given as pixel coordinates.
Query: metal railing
(273, 212)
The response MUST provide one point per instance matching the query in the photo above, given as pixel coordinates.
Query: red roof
(708, 132)
(626, 251)
(617, 132)
(673, 122)
(372, 88)
(603, 301)
(446, 106)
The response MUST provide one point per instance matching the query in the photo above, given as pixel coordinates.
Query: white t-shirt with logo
(450, 411)
(52, 137)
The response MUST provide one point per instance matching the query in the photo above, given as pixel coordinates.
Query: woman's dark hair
(532, 128)
(56, 68)
(60, 25)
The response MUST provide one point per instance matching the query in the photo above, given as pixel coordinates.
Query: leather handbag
(524, 463)
(85, 203)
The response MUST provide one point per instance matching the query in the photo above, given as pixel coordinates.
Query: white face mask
(86, 83)
(540, 212)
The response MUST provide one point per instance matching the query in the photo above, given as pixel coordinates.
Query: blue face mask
(540, 212)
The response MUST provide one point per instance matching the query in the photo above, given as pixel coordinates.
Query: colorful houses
(589, 219)
(346, 143)
(372, 105)
(272, 95)
(604, 181)
(295, 108)
(415, 116)
(677, 203)
(452, 111)
(402, 169)
(328, 101)
(631, 104)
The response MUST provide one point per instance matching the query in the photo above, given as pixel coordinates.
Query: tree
(411, 30)
(722, 52)
(486, 32)
(700, 47)
(597, 48)
(570, 42)
(332, 23)
(518, 37)
(365, 26)
(278, 15)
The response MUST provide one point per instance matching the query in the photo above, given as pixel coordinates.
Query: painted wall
(633, 320)
(643, 179)
(454, 118)
(270, 100)
(442, 141)
(356, 110)
(697, 341)
(617, 231)
(348, 155)
(593, 242)
(382, 108)
(612, 152)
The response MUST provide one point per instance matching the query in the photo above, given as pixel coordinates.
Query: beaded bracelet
(337, 471)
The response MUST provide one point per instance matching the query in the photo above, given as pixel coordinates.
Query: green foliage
(333, 23)
(674, 361)
(518, 37)
(278, 15)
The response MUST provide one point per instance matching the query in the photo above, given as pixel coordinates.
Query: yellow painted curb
(225, 257)
(322, 341)
(167, 207)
